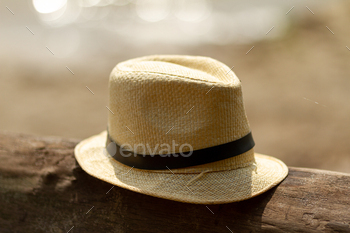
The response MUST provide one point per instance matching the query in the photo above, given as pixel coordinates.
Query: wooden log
(43, 189)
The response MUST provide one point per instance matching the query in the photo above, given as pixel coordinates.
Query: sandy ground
(296, 88)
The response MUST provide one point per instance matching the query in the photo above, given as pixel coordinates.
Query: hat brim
(216, 187)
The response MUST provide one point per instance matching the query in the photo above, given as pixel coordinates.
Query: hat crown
(167, 99)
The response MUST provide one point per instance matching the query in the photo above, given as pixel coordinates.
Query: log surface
(43, 189)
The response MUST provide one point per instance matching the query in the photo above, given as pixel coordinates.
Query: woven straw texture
(151, 95)
(190, 100)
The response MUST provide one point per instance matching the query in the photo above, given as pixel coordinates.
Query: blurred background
(56, 57)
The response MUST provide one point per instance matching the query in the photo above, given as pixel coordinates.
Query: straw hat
(177, 129)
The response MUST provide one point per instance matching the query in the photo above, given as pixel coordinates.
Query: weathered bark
(43, 189)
